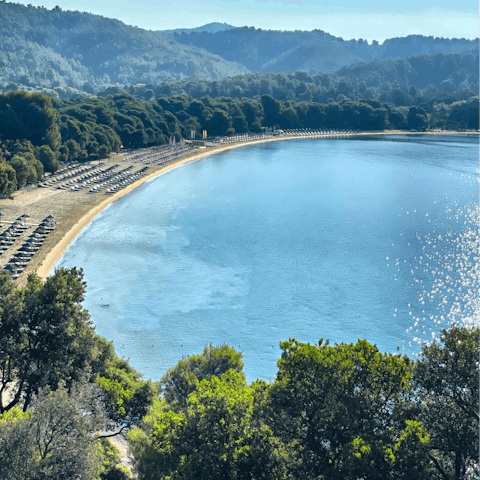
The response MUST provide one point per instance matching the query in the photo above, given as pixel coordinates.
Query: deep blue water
(340, 239)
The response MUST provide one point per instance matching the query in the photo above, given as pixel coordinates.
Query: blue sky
(368, 19)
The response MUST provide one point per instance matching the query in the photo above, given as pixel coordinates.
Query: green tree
(64, 153)
(125, 396)
(73, 149)
(182, 379)
(219, 434)
(417, 118)
(24, 170)
(339, 407)
(8, 179)
(55, 440)
(219, 123)
(447, 392)
(110, 468)
(29, 116)
(46, 336)
(48, 158)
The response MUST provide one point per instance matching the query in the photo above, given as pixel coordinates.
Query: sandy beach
(75, 210)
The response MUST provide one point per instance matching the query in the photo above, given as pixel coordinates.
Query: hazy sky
(369, 19)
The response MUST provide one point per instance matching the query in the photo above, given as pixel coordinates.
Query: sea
(370, 238)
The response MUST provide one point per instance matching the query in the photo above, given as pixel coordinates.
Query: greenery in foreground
(343, 411)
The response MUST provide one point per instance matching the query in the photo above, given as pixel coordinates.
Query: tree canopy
(343, 411)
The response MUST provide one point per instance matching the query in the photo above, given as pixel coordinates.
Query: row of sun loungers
(89, 179)
(83, 171)
(304, 132)
(124, 180)
(20, 259)
(314, 133)
(10, 235)
(100, 178)
(159, 155)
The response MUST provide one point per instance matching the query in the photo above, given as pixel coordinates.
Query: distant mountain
(55, 48)
(316, 51)
(71, 51)
(441, 70)
(209, 28)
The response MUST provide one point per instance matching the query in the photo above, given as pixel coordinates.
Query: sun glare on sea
(446, 275)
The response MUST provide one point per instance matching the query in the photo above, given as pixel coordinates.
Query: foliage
(110, 458)
(447, 394)
(45, 335)
(345, 411)
(216, 435)
(124, 395)
(47, 158)
(29, 117)
(415, 80)
(65, 51)
(46, 339)
(182, 379)
(55, 440)
(72, 54)
(8, 180)
(340, 406)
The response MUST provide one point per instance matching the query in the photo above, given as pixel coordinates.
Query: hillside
(313, 52)
(209, 27)
(75, 51)
(441, 70)
(62, 48)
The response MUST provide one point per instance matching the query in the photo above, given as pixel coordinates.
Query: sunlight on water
(446, 275)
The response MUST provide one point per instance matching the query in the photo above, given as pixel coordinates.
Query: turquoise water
(340, 239)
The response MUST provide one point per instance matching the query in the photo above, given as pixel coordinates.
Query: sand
(73, 211)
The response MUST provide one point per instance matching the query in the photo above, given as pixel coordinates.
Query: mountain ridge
(41, 48)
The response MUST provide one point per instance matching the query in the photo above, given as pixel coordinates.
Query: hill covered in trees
(209, 27)
(70, 49)
(80, 52)
(316, 51)
(425, 79)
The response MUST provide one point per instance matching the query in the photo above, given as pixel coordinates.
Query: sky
(367, 19)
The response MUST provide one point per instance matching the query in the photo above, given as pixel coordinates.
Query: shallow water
(340, 239)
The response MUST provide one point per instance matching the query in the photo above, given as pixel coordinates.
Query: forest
(38, 133)
(78, 53)
(342, 411)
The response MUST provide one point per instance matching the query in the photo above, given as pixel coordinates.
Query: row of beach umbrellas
(20, 259)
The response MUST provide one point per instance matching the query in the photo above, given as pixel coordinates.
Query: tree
(219, 434)
(23, 170)
(447, 392)
(54, 440)
(182, 379)
(340, 408)
(29, 116)
(125, 396)
(47, 158)
(46, 336)
(219, 123)
(8, 179)
(110, 456)
(416, 118)
(103, 151)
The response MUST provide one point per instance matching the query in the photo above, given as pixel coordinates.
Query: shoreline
(75, 217)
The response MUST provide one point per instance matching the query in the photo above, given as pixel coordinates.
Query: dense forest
(424, 79)
(78, 53)
(316, 51)
(343, 411)
(37, 133)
